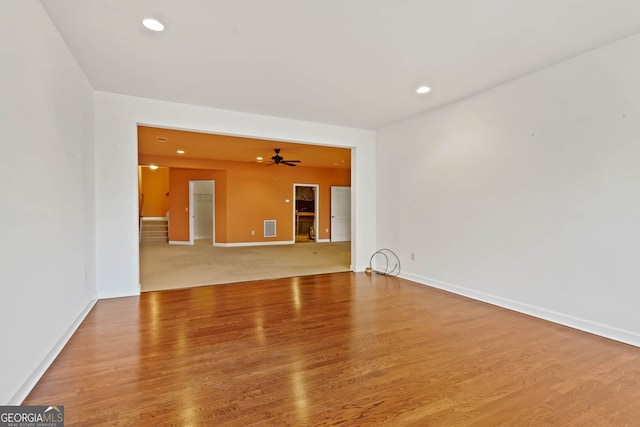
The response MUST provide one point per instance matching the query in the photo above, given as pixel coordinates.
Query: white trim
(622, 335)
(154, 218)
(37, 373)
(180, 242)
(323, 240)
(121, 292)
(191, 219)
(232, 245)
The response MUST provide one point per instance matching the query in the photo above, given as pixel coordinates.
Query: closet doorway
(305, 209)
(202, 221)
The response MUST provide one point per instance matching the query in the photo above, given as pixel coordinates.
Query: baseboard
(154, 218)
(180, 242)
(323, 241)
(120, 292)
(35, 376)
(606, 331)
(235, 244)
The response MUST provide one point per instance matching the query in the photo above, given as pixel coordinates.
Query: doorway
(305, 212)
(202, 221)
(188, 241)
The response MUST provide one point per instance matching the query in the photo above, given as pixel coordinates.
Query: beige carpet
(164, 266)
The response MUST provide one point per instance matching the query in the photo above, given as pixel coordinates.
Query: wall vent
(269, 228)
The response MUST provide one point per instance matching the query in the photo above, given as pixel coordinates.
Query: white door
(340, 214)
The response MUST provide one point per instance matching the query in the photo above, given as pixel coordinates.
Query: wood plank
(345, 348)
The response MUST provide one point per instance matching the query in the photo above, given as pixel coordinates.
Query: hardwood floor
(340, 349)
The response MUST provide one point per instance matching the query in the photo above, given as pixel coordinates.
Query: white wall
(527, 195)
(116, 118)
(46, 209)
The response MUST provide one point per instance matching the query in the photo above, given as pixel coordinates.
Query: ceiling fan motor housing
(278, 159)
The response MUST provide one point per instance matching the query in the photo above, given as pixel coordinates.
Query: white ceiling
(346, 62)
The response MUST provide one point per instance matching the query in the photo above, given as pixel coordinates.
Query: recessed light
(153, 167)
(153, 24)
(180, 151)
(259, 159)
(423, 89)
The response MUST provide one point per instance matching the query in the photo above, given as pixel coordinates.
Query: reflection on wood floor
(339, 349)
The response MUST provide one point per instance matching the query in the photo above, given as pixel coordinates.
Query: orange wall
(257, 193)
(179, 203)
(246, 195)
(154, 184)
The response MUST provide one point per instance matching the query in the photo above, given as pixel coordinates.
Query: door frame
(191, 210)
(316, 204)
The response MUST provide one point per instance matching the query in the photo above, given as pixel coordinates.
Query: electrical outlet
(253, 232)
(413, 256)
(326, 230)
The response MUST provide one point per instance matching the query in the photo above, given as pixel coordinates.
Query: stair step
(154, 240)
(154, 231)
(155, 227)
(154, 234)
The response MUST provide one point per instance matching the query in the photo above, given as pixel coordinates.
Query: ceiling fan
(279, 160)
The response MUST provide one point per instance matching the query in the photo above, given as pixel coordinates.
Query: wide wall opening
(250, 184)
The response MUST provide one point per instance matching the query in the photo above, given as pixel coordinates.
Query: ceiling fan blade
(285, 162)
(293, 161)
